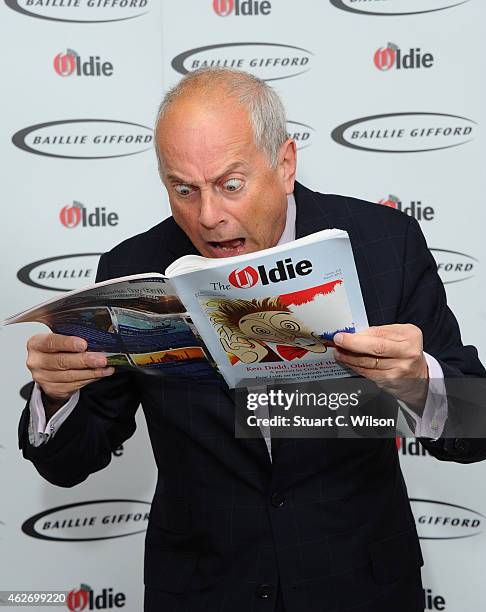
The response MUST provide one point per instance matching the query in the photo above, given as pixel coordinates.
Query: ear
(287, 163)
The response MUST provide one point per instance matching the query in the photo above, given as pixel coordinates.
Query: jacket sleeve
(102, 420)
(424, 304)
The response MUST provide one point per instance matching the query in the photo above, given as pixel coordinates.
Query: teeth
(229, 245)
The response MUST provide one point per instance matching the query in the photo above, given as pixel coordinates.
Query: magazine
(258, 317)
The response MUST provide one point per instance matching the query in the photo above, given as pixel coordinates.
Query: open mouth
(227, 248)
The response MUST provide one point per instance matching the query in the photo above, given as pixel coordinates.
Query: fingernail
(338, 338)
(99, 362)
(80, 345)
(108, 371)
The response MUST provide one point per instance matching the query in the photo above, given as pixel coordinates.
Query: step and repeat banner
(385, 99)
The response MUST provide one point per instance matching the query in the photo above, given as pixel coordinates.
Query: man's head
(226, 161)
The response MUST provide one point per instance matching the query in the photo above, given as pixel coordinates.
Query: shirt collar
(288, 235)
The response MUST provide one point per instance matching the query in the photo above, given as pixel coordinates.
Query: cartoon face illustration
(247, 328)
(280, 327)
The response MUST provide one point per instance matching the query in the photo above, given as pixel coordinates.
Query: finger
(56, 343)
(369, 362)
(387, 371)
(44, 377)
(394, 331)
(371, 345)
(66, 361)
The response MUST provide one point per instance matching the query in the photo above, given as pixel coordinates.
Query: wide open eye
(184, 190)
(233, 184)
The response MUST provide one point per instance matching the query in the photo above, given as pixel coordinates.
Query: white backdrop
(82, 80)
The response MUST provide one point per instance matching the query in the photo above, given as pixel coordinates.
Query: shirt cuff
(431, 423)
(39, 431)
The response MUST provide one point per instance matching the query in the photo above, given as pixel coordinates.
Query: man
(321, 525)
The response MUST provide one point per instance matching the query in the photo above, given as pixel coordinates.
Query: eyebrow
(230, 168)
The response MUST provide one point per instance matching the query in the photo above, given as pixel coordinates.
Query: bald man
(318, 524)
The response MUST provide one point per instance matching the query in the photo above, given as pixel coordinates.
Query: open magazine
(262, 316)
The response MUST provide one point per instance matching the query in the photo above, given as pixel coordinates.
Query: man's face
(222, 190)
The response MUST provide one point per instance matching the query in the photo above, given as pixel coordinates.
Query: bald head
(210, 88)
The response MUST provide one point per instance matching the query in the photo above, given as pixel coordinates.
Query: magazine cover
(273, 317)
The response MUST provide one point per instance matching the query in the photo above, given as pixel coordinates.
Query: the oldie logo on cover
(242, 8)
(70, 63)
(84, 139)
(268, 61)
(284, 270)
(81, 11)
(412, 132)
(395, 7)
(243, 279)
(102, 519)
(392, 56)
(439, 520)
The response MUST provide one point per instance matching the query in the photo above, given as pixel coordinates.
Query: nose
(211, 213)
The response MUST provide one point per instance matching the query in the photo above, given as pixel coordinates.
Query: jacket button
(277, 500)
(461, 445)
(265, 591)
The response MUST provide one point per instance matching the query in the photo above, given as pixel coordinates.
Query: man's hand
(61, 366)
(390, 355)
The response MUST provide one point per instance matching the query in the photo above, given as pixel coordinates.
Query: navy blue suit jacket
(329, 521)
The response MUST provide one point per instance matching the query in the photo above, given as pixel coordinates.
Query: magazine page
(136, 321)
(112, 289)
(271, 316)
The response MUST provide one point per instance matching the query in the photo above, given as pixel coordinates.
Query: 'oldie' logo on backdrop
(391, 56)
(242, 8)
(77, 215)
(85, 598)
(414, 208)
(70, 63)
(405, 132)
